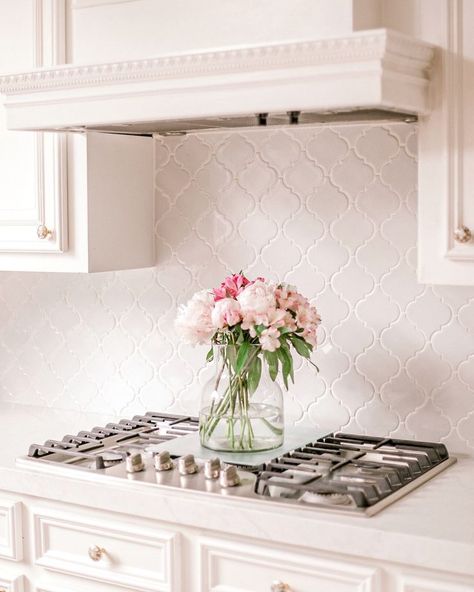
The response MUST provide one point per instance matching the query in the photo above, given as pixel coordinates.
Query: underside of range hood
(368, 76)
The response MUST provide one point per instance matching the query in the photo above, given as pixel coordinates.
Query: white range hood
(374, 74)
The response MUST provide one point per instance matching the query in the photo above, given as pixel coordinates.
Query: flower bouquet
(254, 327)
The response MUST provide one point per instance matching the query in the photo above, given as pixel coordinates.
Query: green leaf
(242, 356)
(210, 355)
(272, 361)
(286, 362)
(254, 374)
(301, 346)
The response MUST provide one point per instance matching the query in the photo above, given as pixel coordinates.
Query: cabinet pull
(43, 232)
(279, 586)
(96, 553)
(462, 234)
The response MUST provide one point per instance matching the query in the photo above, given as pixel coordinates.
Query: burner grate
(363, 469)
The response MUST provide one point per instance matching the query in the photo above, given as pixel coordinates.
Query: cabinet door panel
(236, 567)
(11, 541)
(446, 148)
(11, 584)
(411, 583)
(139, 558)
(32, 181)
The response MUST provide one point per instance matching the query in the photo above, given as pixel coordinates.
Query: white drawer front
(235, 567)
(411, 583)
(11, 535)
(11, 585)
(141, 558)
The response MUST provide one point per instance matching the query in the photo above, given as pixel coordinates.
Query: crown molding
(410, 55)
(393, 68)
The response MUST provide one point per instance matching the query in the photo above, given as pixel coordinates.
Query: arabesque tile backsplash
(330, 209)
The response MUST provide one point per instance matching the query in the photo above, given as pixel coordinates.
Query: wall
(331, 210)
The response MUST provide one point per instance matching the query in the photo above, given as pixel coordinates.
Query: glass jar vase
(241, 408)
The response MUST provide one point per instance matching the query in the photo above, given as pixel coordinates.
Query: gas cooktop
(339, 471)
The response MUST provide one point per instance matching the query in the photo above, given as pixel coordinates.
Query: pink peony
(194, 320)
(226, 312)
(231, 287)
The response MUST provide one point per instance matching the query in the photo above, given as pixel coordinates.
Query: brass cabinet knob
(43, 232)
(279, 586)
(96, 553)
(462, 234)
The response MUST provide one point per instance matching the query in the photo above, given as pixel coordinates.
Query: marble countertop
(432, 527)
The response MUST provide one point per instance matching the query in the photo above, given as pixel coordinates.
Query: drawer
(107, 550)
(11, 533)
(237, 567)
(11, 585)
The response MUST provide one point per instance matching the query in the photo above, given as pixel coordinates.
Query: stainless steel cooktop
(338, 472)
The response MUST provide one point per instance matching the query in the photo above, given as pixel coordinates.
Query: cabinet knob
(279, 586)
(43, 232)
(96, 553)
(462, 234)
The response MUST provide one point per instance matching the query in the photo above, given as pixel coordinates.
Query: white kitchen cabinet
(114, 552)
(14, 584)
(72, 205)
(446, 147)
(32, 173)
(72, 548)
(228, 566)
(11, 535)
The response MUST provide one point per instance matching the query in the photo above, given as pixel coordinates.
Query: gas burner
(329, 499)
(338, 472)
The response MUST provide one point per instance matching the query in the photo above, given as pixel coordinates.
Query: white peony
(257, 298)
(226, 312)
(194, 320)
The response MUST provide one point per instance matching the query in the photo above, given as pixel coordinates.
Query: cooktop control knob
(187, 465)
(212, 468)
(229, 477)
(163, 461)
(134, 462)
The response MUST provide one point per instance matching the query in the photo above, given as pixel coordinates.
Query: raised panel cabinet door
(11, 533)
(237, 567)
(446, 147)
(32, 165)
(82, 545)
(14, 584)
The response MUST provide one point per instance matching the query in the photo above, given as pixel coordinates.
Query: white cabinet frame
(18, 229)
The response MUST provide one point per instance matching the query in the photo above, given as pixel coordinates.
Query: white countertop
(432, 527)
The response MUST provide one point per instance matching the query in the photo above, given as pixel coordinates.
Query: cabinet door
(32, 171)
(237, 567)
(15, 584)
(446, 147)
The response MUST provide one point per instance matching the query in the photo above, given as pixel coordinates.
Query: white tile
(330, 209)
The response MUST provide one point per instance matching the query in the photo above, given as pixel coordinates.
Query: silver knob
(96, 553)
(212, 468)
(134, 462)
(187, 465)
(462, 234)
(229, 476)
(43, 232)
(163, 461)
(279, 586)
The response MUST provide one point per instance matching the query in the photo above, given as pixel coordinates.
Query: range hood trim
(376, 69)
